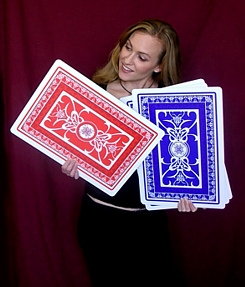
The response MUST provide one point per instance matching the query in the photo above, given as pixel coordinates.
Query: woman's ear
(157, 69)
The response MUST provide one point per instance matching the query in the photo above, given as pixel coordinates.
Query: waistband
(114, 206)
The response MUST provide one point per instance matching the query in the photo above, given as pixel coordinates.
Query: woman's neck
(121, 88)
(123, 85)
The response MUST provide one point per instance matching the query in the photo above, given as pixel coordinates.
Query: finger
(74, 171)
(69, 167)
(178, 206)
(182, 205)
(65, 165)
(193, 208)
(76, 175)
(186, 205)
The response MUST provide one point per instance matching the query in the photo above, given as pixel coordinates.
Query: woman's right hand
(70, 168)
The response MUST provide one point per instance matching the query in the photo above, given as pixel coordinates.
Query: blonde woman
(123, 243)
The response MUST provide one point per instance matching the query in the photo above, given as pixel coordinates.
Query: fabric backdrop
(40, 205)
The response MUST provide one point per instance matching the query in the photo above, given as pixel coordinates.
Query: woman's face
(139, 57)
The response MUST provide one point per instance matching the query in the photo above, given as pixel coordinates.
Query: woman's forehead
(145, 42)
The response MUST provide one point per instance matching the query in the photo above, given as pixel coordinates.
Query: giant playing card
(69, 116)
(189, 160)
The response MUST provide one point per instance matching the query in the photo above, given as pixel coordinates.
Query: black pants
(125, 248)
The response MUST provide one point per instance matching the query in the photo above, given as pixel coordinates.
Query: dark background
(39, 205)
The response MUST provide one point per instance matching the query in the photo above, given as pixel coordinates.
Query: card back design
(188, 161)
(69, 116)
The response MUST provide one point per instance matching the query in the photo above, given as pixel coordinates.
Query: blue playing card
(189, 160)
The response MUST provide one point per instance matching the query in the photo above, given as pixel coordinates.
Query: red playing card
(69, 116)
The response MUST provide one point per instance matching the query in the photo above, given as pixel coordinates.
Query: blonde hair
(169, 59)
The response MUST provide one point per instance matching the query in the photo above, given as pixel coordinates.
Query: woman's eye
(127, 47)
(142, 58)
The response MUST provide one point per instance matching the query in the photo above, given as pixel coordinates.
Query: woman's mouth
(126, 69)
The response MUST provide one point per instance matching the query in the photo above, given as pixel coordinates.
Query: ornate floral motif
(186, 152)
(70, 119)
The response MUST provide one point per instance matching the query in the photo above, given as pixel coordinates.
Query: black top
(127, 196)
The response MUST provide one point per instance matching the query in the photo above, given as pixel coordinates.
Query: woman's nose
(129, 58)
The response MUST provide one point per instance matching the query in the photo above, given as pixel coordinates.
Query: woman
(123, 243)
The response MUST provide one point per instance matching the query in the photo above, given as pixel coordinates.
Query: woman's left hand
(185, 205)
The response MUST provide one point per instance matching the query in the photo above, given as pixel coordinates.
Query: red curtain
(40, 205)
